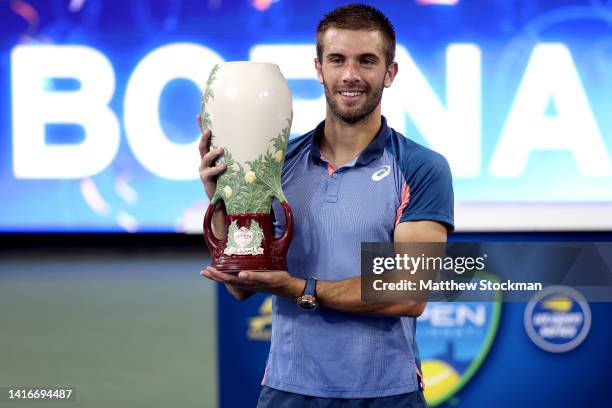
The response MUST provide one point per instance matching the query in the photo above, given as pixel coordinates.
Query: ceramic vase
(247, 106)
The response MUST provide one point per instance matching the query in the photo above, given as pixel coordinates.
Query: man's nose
(351, 73)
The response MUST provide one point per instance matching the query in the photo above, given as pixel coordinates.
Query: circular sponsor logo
(557, 319)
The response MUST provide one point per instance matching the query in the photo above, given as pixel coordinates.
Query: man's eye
(367, 61)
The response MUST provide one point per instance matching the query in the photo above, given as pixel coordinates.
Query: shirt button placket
(333, 183)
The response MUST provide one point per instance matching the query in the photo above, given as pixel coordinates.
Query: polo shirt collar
(372, 152)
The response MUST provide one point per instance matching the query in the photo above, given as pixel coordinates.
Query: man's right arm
(208, 175)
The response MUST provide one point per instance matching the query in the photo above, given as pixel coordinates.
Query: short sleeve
(430, 191)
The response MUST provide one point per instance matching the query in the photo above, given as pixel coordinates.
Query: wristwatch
(308, 301)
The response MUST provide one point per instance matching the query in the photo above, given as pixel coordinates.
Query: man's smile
(351, 95)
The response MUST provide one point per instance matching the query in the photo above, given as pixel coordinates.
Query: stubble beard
(351, 117)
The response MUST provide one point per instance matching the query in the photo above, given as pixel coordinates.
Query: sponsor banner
(98, 102)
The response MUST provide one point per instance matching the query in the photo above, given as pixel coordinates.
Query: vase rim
(248, 63)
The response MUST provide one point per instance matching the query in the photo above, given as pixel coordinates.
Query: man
(350, 180)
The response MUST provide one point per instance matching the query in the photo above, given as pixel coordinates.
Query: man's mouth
(351, 93)
(351, 96)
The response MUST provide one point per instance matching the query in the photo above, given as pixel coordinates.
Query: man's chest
(350, 203)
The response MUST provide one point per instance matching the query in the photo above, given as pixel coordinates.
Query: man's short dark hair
(358, 17)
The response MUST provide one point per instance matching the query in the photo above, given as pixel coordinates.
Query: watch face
(307, 302)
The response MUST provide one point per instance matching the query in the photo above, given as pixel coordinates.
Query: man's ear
(391, 73)
(319, 69)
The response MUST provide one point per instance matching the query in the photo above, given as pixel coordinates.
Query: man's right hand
(208, 175)
(208, 171)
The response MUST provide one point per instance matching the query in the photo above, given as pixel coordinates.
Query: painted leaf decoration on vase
(256, 183)
(208, 95)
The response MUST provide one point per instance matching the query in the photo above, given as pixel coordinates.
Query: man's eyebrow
(369, 55)
(365, 55)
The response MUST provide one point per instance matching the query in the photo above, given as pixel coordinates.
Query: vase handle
(211, 241)
(281, 244)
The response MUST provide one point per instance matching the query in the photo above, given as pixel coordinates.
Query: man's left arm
(343, 295)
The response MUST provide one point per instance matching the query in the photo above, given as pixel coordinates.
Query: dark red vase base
(237, 263)
(274, 249)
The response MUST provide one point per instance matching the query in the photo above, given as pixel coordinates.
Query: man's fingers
(210, 156)
(213, 276)
(209, 172)
(204, 138)
(219, 276)
(229, 279)
(252, 276)
(225, 277)
(204, 142)
(199, 119)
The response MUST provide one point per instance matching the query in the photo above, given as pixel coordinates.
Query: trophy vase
(247, 106)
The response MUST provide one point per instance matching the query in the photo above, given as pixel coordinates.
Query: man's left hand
(275, 282)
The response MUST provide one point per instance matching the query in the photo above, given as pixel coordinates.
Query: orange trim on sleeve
(404, 203)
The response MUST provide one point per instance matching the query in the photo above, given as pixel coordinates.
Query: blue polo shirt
(326, 353)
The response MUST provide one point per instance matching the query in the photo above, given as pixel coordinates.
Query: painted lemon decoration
(250, 177)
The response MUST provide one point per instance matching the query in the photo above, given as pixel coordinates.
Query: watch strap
(310, 287)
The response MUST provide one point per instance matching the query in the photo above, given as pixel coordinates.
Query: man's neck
(342, 142)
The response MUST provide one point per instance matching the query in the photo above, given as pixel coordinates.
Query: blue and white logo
(557, 319)
(382, 173)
